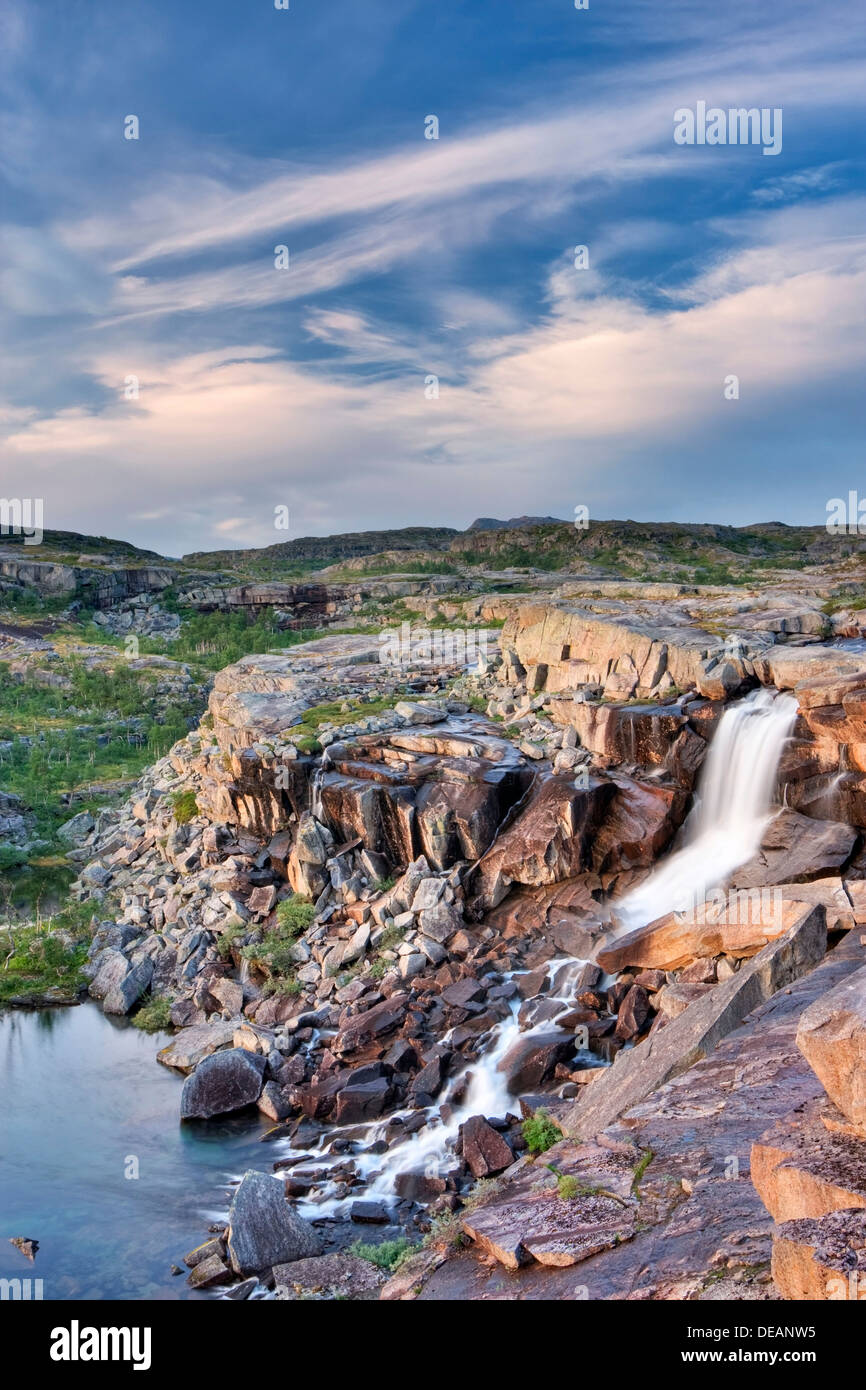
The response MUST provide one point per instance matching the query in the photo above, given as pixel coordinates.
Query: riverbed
(96, 1165)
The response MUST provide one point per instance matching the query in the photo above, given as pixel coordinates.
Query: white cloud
(604, 374)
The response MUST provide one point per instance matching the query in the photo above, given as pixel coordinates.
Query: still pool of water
(80, 1096)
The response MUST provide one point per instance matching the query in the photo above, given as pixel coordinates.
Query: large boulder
(264, 1229)
(483, 1148)
(638, 824)
(533, 1058)
(126, 992)
(550, 840)
(748, 922)
(832, 1038)
(223, 1082)
(191, 1045)
(456, 820)
(795, 849)
(111, 968)
(306, 861)
(361, 1029)
(76, 830)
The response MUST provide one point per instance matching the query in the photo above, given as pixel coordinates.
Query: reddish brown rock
(797, 848)
(262, 900)
(550, 840)
(675, 999)
(463, 993)
(832, 1038)
(639, 734)
(676, 1047)
(536, 1219)
(704, 1233)
(374, 1023)
(651, 980)
(821, 1260)
(800, 1169)
(639, 823)
(532, 1060)
(485, 1150)
(677, 940)
(633, 1014)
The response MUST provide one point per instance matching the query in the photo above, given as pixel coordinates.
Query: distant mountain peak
(514, 523)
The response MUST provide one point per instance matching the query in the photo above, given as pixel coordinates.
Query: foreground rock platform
(696, 1032)
(702, 1231)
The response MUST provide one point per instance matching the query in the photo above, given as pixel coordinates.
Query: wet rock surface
(701, 1224)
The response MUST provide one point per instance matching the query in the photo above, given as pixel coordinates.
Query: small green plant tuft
(641, 1166)
(154, 1016)
(541, 1132)
(567, 1187)
(294, 916)
(184, 807)
(389, 1255)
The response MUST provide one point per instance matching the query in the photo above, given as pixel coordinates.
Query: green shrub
(391, 937)
(294, 916)
(33, 960)
(567, 1187)
(227, 939)
(184, 807)
(389, 1255)
(285, 986)
(308, 744)
(154, 1016)
(541, 1132)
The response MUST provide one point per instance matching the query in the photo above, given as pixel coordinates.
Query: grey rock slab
(191, 1045)
(123, 995)
(264, 1228)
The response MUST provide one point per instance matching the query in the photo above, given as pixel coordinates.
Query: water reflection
(83, 1104)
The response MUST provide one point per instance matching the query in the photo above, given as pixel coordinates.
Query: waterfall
(731, 813)
(316, 807)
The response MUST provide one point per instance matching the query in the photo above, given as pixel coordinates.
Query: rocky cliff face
(375, 879)
(99, 588)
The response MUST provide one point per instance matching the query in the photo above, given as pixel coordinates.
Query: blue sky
(410, 258)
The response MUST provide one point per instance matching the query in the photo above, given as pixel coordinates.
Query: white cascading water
(727, 824)
(486, 1094)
